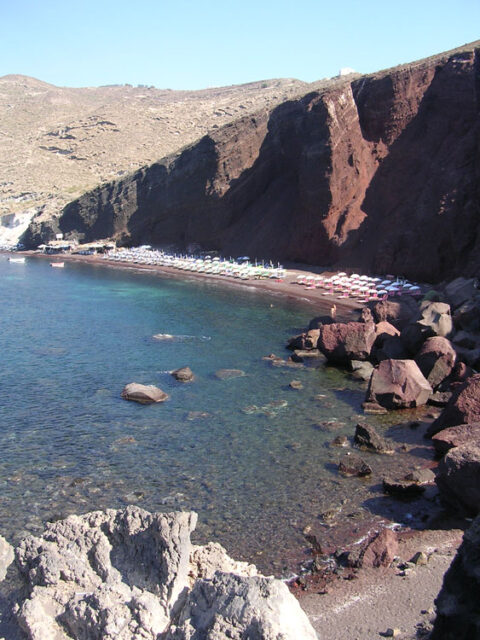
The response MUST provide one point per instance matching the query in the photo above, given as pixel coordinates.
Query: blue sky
(188, 44)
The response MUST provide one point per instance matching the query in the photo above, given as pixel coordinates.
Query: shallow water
(249, 454)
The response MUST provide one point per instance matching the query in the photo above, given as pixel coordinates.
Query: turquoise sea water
(249, 454)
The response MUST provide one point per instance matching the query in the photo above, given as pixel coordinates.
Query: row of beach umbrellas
(241, 267)
(359, 286)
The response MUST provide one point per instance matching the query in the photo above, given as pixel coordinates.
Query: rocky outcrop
(232, 606)
(342, 342)
(130, 574)
(458, 479)
(398, 384)
(143, 393)
(458, 615)
(327, 178)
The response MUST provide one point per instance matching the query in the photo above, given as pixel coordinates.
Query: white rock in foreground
(133, 575)
(6, 557)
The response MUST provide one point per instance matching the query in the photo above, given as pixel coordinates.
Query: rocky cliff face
(380, 172)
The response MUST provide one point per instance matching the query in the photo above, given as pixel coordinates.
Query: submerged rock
(229, 374)
(144, 394)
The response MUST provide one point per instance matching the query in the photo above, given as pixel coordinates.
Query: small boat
(19, 260)
(57, 264)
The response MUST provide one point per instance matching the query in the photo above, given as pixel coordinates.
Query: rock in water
(342, 342)
(231, 606)
(352, 465)
(368, 439)
(184, 374)
(130, 574)
(398, 384)
(229, 374)
(144, 394)
(458, 614)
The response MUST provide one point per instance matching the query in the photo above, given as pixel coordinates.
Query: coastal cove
(250, 454)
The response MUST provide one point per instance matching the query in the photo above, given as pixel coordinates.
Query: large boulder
(452, 437)
(467, 316)
(129, 574)
(458, 479)
(399, 312)
(342, 342)
(436, 360)
(398, 384)
(460, 290)
(437, 316)
(463, 407)
(458, 613)
(230, 606)
(143, 393)
(434, 319)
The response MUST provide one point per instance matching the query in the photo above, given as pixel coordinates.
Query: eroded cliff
(379, 172)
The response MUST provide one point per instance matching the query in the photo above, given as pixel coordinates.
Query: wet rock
(463, 408)
(398, 384)
(456, 436)
(381, 551)
(458, 479)
(307, 354)
(184, 374)
(368, 439)
(342, 342)
(6, 557)
(144, 394)
(458, 615)
(340, 441)
(361, 369)
(229, 374)
(304, 341)
(353, 465)
(373, 408)
(231, 606)
(402, 487)
(421, 476)
(436, 360)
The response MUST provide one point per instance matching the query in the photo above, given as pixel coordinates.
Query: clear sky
(194, 44)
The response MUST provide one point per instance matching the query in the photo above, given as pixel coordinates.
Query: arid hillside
(380, 172)
(57, 143)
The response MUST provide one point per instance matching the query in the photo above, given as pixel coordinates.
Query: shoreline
(347, 597)
(288, 288)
